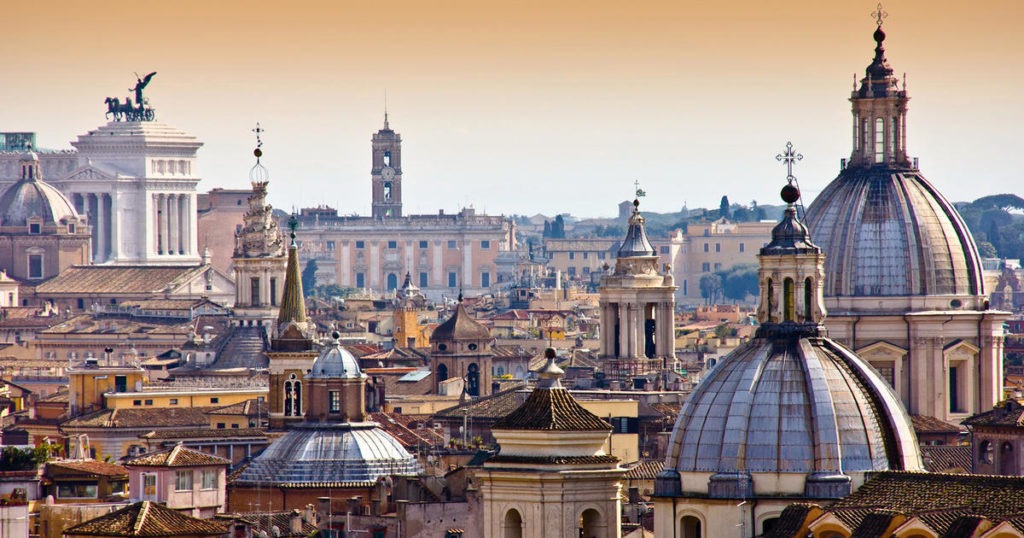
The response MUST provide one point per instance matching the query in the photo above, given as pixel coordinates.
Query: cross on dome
(790, 158)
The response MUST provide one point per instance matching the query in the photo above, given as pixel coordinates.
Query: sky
(532, 106)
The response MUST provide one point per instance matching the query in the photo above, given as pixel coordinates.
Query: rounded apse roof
(888, 232)
(317, 453)
(793, 406)
(335, 362)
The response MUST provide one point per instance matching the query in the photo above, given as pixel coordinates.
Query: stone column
(172, 224)
(116, 250)
(623, 320)
(100, 254)
(183, 224)
(161, 207)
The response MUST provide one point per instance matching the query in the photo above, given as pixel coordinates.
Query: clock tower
(387, 173)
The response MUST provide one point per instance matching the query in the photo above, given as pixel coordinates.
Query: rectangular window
(707, 247)
(600, 255)
(77, 491)
(221, 426)
(335, 401)
(330, 245)
(572, 270)
(183, 480)
(585, 255)
(572, 255)
(137, 402)
(423, 279)
(149, 484)
(718, 267)
(742, 247)
(148, 402)
(360, 280)
(586, 270)
(273, 291)
(718, 247)
(485, 244)
(174, 401)
(120, 383)
(35, 266)
(254, 291)
(392, 244)
(485, 279)
(664, 250)
(451, 244)
(879, 140)
(209, 479)
(214, 400)
(705, 267)
(452, 279)
(360, 244)
(35, 228)
(424, 244)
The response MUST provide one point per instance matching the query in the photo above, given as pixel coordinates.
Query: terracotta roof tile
(645, 470)
(792, 520)
(205, 432)
(249, 408)
(947, 458)
(179, 456)
(1008, 414)
(461, 326)
(927, 424)
(492, 407)
(875, 524)
(142, 418)
(93, 467)
(146, 519)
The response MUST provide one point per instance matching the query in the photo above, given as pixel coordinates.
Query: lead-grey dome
(789, 405)
(888, 233)
(319, 453)
(32, 197)
(335, 362)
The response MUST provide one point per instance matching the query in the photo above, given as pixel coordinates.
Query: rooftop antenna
(386, 109)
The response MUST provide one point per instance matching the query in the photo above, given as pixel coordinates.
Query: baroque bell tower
(387, 172)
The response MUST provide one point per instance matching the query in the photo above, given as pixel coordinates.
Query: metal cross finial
(639, 192)
(259, 132)
(879, 14)
(790, 157)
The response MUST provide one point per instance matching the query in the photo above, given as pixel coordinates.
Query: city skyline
(566, 105)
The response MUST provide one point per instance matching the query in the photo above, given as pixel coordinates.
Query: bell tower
(387, 172)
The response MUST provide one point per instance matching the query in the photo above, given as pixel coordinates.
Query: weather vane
(879, 14)
(639, 192)
(790, 157)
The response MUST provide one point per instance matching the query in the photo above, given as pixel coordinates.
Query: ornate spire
(259, 236)
(636, 243)
(879, 80)
(293, 304)
(791, 235)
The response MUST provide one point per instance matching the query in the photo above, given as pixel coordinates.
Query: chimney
(295, 522)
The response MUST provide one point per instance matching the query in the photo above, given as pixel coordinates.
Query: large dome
(787, 405)
(321, 453)
(887, 232)
(31, 197)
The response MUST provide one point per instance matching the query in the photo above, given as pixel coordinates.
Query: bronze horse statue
(127, 111)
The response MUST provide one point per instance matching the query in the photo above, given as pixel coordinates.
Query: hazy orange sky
(530, 106)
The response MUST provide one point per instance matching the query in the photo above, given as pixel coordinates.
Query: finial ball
(257, 152)
(549, 353)
(336, 335)
(879, 35)
(636, 202)
(790, 194)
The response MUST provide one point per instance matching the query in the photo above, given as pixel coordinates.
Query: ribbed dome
(317, 453)
(31, 197)
(888, 232)
(335, 362)
(636, 243)
(793, 405)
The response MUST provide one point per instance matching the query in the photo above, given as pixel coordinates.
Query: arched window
(788, 301)
(808, 308)
(768, 300)
(442, 373)
(512, 526)
(690, 527)
(473, 380)
(392, 281)
(986, 452)
(591, 523)
(1007, 460)
(293, 397)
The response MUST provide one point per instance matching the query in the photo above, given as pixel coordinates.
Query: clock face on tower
(387, 172)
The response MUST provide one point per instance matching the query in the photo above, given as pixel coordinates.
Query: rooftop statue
(141, 111)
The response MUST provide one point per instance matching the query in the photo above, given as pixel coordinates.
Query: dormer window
(35, 228)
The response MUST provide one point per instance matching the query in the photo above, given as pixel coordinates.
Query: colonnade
(631, 320)
(98, 207)
(172, 219)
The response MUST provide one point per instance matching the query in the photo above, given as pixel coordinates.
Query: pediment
(960, 347)
(89, 172)
(881, 350)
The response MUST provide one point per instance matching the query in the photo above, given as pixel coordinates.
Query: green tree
(739, 282)
(710, 287)
(309, 278)
(987, 250)
(723, 208)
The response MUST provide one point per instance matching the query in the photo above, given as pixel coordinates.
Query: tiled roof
(946, 458)
(205, 432)
(792, 520)
(556, 460)
(98, 468)
(174, 417)
(938, 499)
(400, 427)
(927, 424)
(551, 409)
(461, 326)
(249, 408)
(492, 407)
(179, 456)
(645, 470)
(875, 524)
(121, 280)
(146, 519)
(265, 521)
(1008, 414)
